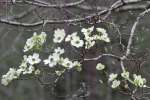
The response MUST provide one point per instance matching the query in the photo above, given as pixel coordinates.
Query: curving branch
(142, 5)
(21, 15)
(103, 55)
(45, 4)
(51, 21)
(133, 30)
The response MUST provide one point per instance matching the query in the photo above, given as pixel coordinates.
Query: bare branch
(21, 15)
(46, 4)
(50, 21)
(133, 31)
(103, 55)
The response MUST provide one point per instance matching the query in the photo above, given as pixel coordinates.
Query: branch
(21, 15)
(133, 30)
(103, 55)
(54, 6)
(46, 4)
(136, 6)
(89, 7)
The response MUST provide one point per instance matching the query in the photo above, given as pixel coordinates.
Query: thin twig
(103, 55)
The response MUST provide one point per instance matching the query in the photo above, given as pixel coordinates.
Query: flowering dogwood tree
(58, 59)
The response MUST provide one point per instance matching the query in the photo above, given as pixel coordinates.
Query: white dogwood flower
(87, 31)
(37, 72)
(29, 45)
(112, 76)
(29, 70)
(115, 83)
(43, 37)
(91, 39)
(67, 63)
(89, 44)
(52, 60)
(125, 75)
(74, 40)
(100, 66)
(102, 35)
(59, 51)
(4, 81)
(70, 36)
(77, 42)
(59, 35)
(33, 59)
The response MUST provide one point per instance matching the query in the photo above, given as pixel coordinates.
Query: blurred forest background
(13, 37)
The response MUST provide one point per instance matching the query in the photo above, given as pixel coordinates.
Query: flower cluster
(59, 35)
(86, 40)
(102, 35)
(9, 76)
(56, 58)
(125, 74)
(28, 62)
(65, 62)
(139, 81)
(68, 64)
(35, 42)
(89, 38)
(92, 38)
(113, 79)
(26, 67)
